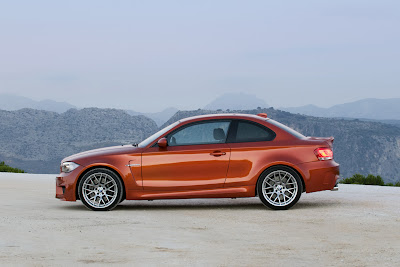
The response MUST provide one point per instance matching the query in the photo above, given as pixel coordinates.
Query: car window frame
(231, 138)
(195, 123)
(158, 135)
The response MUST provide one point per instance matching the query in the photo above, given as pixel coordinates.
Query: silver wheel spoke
(108, 183)
(279, 188)
(291, 193)
(100, 190)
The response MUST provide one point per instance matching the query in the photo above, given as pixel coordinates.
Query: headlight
(68, 166)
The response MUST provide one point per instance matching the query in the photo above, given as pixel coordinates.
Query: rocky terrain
(159, 117)
(360, 146)
(36, 141)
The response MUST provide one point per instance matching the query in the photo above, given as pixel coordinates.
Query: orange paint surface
(204, 170)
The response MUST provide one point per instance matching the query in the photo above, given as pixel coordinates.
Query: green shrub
(6, 168)
(355, 179)
(374, 180)
(369, 180)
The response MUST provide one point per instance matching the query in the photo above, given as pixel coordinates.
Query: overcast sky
(148, 55)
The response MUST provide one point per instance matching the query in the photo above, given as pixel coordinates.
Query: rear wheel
(100, 189)
(279, 187)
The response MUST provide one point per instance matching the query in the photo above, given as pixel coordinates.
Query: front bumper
(66, 184)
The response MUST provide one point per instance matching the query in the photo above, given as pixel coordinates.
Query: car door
(252, 147)
(196, 158)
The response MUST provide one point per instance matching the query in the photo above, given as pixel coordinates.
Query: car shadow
(132, 206)
(166, 205)
(203, 204)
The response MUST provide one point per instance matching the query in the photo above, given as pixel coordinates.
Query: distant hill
(159, 117)
(363, 147)
(13, 102)
(36, 140)
(371, 108)
(236, 101)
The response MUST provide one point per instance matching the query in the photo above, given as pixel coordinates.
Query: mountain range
(14, 102)
(383, 110)
(370, 108)
(36, 140)
(159, 117)
(236, 101)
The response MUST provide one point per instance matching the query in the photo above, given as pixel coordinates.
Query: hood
(106, 151)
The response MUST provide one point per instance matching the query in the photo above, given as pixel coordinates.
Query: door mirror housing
(162, 142)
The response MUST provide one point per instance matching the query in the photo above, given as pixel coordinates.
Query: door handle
(217, 153)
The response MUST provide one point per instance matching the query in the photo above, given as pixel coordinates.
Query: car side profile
(210, 156)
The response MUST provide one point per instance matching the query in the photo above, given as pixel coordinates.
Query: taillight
(323, 153)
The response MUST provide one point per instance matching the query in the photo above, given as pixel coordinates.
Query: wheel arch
(101, 166)
(283, 165)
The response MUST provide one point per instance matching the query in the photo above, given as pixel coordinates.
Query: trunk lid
(328, 140)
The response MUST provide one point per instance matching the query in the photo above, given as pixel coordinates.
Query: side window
(250, 132)
(212, 132)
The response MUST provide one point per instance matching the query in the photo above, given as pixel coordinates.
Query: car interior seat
(172, 141)
(219, 135)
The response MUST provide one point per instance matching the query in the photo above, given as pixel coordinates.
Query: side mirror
(162, 142)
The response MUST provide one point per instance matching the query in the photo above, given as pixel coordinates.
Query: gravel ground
(356, 226)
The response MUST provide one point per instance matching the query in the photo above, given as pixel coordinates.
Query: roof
(224, 115)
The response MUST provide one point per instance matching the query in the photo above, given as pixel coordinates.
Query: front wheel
(279, 187)
(100, 189)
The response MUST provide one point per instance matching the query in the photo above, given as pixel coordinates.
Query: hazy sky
(148, 55)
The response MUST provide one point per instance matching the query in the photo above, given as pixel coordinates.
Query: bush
(374, 180)
(369, 180)
(6, 168)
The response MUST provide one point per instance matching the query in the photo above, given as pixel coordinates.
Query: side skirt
(243, 191)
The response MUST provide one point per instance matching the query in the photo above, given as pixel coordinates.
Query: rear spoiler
(329, 140)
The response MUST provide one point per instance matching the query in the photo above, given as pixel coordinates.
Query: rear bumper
(320, 175)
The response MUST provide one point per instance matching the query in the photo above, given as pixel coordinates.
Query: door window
(211, 132)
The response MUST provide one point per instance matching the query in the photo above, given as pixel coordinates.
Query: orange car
(212, 156)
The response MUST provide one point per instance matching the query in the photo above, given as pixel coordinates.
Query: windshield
(287, 129)
(150, 139)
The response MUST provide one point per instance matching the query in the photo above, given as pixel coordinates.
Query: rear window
(286, 129)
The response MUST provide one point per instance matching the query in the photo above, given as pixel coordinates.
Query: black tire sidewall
(277, 168)
(117, 181)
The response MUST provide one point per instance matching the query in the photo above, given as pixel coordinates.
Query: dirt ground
(356, 226)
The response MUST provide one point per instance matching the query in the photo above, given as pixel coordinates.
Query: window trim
(234, 127)
(195, 123)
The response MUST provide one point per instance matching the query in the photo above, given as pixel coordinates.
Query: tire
(100, 189)
(279, 187)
